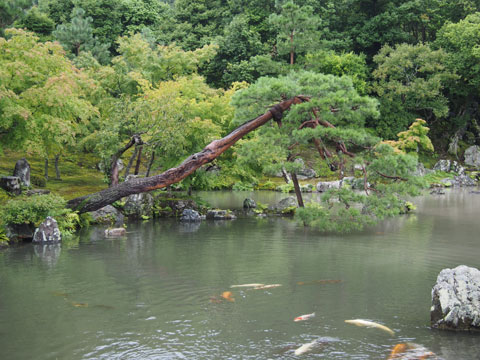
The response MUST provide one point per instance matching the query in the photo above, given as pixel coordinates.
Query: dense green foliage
(90, 76)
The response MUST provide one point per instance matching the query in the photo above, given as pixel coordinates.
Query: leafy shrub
(38, 181)
(34, 209)
(240, 186)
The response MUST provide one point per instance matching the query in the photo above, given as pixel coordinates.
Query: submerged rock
(48, 232)
(220, 215)
(22, 170)
(190, 215)
(456, 299)
(472, 156)
(115, 232)
(11, 184)
(108, 215)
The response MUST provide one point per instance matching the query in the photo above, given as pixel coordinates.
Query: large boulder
(456, 299)
(284, 204)
(22, 170)
(107, 215)
(19, 232)
(47, 232)
(305, 172)
(138, 205)
(116, 232)
(472, 156)
(190, 215)
(249, 203)
(449, 166)
(323, 186)
(12, 184)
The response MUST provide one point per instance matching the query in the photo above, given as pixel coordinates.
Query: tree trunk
(130, 162)
(139, 159)
(134, 140)
(188, 166)
(152, 158)
(46, 168)
(298, 192)
(57, 169)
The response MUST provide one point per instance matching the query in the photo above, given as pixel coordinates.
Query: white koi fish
(305, 348)
(366, 323)
(304, 317)
(247, 285)
(262, 287)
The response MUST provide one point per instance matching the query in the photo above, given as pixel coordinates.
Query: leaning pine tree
(308, 109)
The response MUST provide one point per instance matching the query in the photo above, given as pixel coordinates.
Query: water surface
(156, 294)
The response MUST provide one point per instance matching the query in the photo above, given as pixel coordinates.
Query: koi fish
(227, 295)
(305, 348)
(247, 285)
(80, 305)
(271, 286)
(304, 317)
(366, 323)
(410, 351)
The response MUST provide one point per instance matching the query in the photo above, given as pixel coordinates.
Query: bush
(38, 181)
(34, 209)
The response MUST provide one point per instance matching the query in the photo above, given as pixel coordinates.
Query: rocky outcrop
(173, 207)
(107, 215)
(284, 204)
(458, 181)
(304, 172)
(190, 215)
(472, 156)
(22, 170)
(456, 299)
(249, 204)
(449, 166)
(220, 215)
(11, 184)
(323, 186)
(47, 232)
(19, 232)
(138, 205)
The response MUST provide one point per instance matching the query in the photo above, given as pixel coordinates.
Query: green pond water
(156, 294)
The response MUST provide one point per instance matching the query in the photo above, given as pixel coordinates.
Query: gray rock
(249, 203)
(472, 156)
(305, 172)
(19, 232)
(138, 205)
(115, 232)
(48, 231)
(22, 170)
(284, 203)
(323, 186)
(456, 299)
(421, 170)
(11, 184)
(34, 192)
(449, 166)
(190, 215)
(464, 180)
(220, 215)
(108, 215)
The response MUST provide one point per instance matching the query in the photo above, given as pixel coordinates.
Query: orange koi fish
(304, 317)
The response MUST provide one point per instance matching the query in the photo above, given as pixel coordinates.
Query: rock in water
(472, 156)
(323, 186)
(47, 232)
(456, 299)
(190, 215)
(22, 170)
(108, 215)
(115, 232)
(249, 203)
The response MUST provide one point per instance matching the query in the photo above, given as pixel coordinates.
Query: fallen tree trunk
(188, 166)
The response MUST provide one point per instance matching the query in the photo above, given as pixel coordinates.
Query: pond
(157, 293)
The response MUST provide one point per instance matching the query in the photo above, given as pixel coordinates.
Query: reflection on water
(148, 295)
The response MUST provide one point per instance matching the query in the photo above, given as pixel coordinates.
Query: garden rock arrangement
(107, 215)
(449, 166)
(12, 184)
(323, 186)
(472, 156)
(220, 215)
(456, 299)
(190, 215)
(47, 232)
